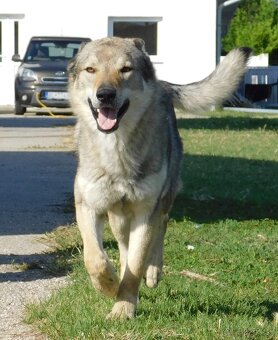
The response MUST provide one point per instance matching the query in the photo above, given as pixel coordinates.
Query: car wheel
(18, 109)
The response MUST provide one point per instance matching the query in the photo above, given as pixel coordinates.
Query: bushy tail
(214, 89)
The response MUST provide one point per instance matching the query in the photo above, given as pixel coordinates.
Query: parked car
(42, 75)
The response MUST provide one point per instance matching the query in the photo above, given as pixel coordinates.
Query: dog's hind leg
(155, 259)
(101, 271)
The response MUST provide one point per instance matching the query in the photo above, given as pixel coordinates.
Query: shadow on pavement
(30, 122)
(35, 188)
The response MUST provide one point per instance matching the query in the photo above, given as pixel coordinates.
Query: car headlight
(27, 75)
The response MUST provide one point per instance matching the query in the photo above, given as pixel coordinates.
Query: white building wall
(186, 33)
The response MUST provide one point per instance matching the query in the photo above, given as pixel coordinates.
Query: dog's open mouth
(107, 118)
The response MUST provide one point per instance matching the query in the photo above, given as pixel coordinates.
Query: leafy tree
(255, 24)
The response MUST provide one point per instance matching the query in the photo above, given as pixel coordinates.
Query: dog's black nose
(106, 94)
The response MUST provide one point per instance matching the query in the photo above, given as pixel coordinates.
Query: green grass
(228, 212)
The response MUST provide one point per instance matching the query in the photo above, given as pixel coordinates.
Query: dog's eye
(90, 69)
(126, 69)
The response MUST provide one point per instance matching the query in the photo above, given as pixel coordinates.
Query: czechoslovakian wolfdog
(130, 156)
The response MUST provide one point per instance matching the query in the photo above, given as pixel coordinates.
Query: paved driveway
(37, 167)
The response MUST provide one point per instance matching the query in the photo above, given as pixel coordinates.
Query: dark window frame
(16, 37)
(152, 47)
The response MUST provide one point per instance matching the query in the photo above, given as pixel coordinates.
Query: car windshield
(51, 50)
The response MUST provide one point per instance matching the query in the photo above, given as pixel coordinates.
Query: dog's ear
(72, 66)
(82, 45)
(139, 43)
(146, 65)
(72, 69)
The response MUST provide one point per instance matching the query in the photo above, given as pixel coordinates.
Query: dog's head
(107, 76)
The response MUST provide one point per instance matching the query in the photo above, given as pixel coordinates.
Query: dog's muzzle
(107, 117)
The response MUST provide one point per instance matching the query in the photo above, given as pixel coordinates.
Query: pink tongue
(107, 118)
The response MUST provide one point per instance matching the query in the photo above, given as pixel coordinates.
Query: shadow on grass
(230, 123)
(213, 305)
(265, 309)
(216, 188)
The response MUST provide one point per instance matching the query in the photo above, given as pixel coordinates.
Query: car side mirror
(16, 58)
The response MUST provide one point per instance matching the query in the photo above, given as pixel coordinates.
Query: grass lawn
(224, 227)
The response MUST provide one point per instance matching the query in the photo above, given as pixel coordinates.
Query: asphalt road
(36, 173)
(37, 167)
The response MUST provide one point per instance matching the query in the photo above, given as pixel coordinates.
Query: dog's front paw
(122, 310)
(104, 277)
(153, 276)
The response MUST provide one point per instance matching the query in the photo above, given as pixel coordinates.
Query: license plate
(56, 95)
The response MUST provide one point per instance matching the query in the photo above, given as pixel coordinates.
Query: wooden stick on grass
(199, 277)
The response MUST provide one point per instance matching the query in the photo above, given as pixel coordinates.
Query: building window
(144, 28)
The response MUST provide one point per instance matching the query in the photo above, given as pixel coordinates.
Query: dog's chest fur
(111, 171)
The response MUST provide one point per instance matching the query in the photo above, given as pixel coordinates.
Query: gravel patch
(19, 288)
